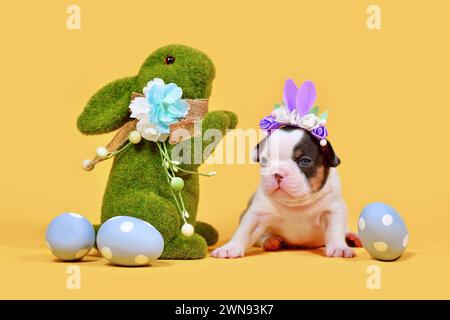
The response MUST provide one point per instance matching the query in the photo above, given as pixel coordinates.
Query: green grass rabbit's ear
(107, 110)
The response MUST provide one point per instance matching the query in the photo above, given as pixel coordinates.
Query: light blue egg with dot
(70, 236)
(128, 241)
(382, 231)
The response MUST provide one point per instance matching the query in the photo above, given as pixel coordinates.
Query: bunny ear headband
(298, 110)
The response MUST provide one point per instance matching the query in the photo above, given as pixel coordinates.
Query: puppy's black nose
(278, 177)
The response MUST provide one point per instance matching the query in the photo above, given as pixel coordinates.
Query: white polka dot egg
(129, 241)
(382, 231)
(70, 236)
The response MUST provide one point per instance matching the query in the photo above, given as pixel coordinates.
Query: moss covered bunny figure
(137, 185)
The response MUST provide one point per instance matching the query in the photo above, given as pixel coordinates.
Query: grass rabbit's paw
(185, 248)
(107, 110)
(208, 232)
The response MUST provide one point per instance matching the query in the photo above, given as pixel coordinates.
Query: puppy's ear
(329, 156)
(107, 110)
(258, 149)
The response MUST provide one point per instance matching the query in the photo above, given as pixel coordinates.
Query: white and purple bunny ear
(305, 98)
(290, 94)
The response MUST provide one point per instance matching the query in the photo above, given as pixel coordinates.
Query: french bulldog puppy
(298, 202)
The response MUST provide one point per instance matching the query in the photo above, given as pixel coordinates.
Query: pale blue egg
(382, 231)
(70, 236)
(129, 241)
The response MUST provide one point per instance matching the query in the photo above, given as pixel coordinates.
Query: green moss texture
(137, 185)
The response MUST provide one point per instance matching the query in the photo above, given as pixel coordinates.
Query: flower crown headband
(298, 110)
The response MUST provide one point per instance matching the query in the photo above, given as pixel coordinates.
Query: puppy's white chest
(299, 227)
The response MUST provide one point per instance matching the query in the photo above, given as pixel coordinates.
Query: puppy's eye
(305, 161)
(169, 60)
(263, 161)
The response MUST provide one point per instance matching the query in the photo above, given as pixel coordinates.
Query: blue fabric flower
(166, 106)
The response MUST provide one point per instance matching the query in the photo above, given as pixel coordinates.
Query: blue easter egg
(382, 231)
(129, 241)
(70, 236)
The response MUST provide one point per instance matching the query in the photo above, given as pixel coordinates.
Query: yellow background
(387, 92)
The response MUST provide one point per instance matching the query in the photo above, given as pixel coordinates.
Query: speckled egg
(70, 236)
(382, 231)
(129, 241)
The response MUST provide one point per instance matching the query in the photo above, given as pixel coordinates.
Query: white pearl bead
(102, 152)
(187, 230)
(87, 165)
(134, 137)
(323, 142)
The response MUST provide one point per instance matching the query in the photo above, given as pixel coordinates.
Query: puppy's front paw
(341, 251)
(229, 251)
